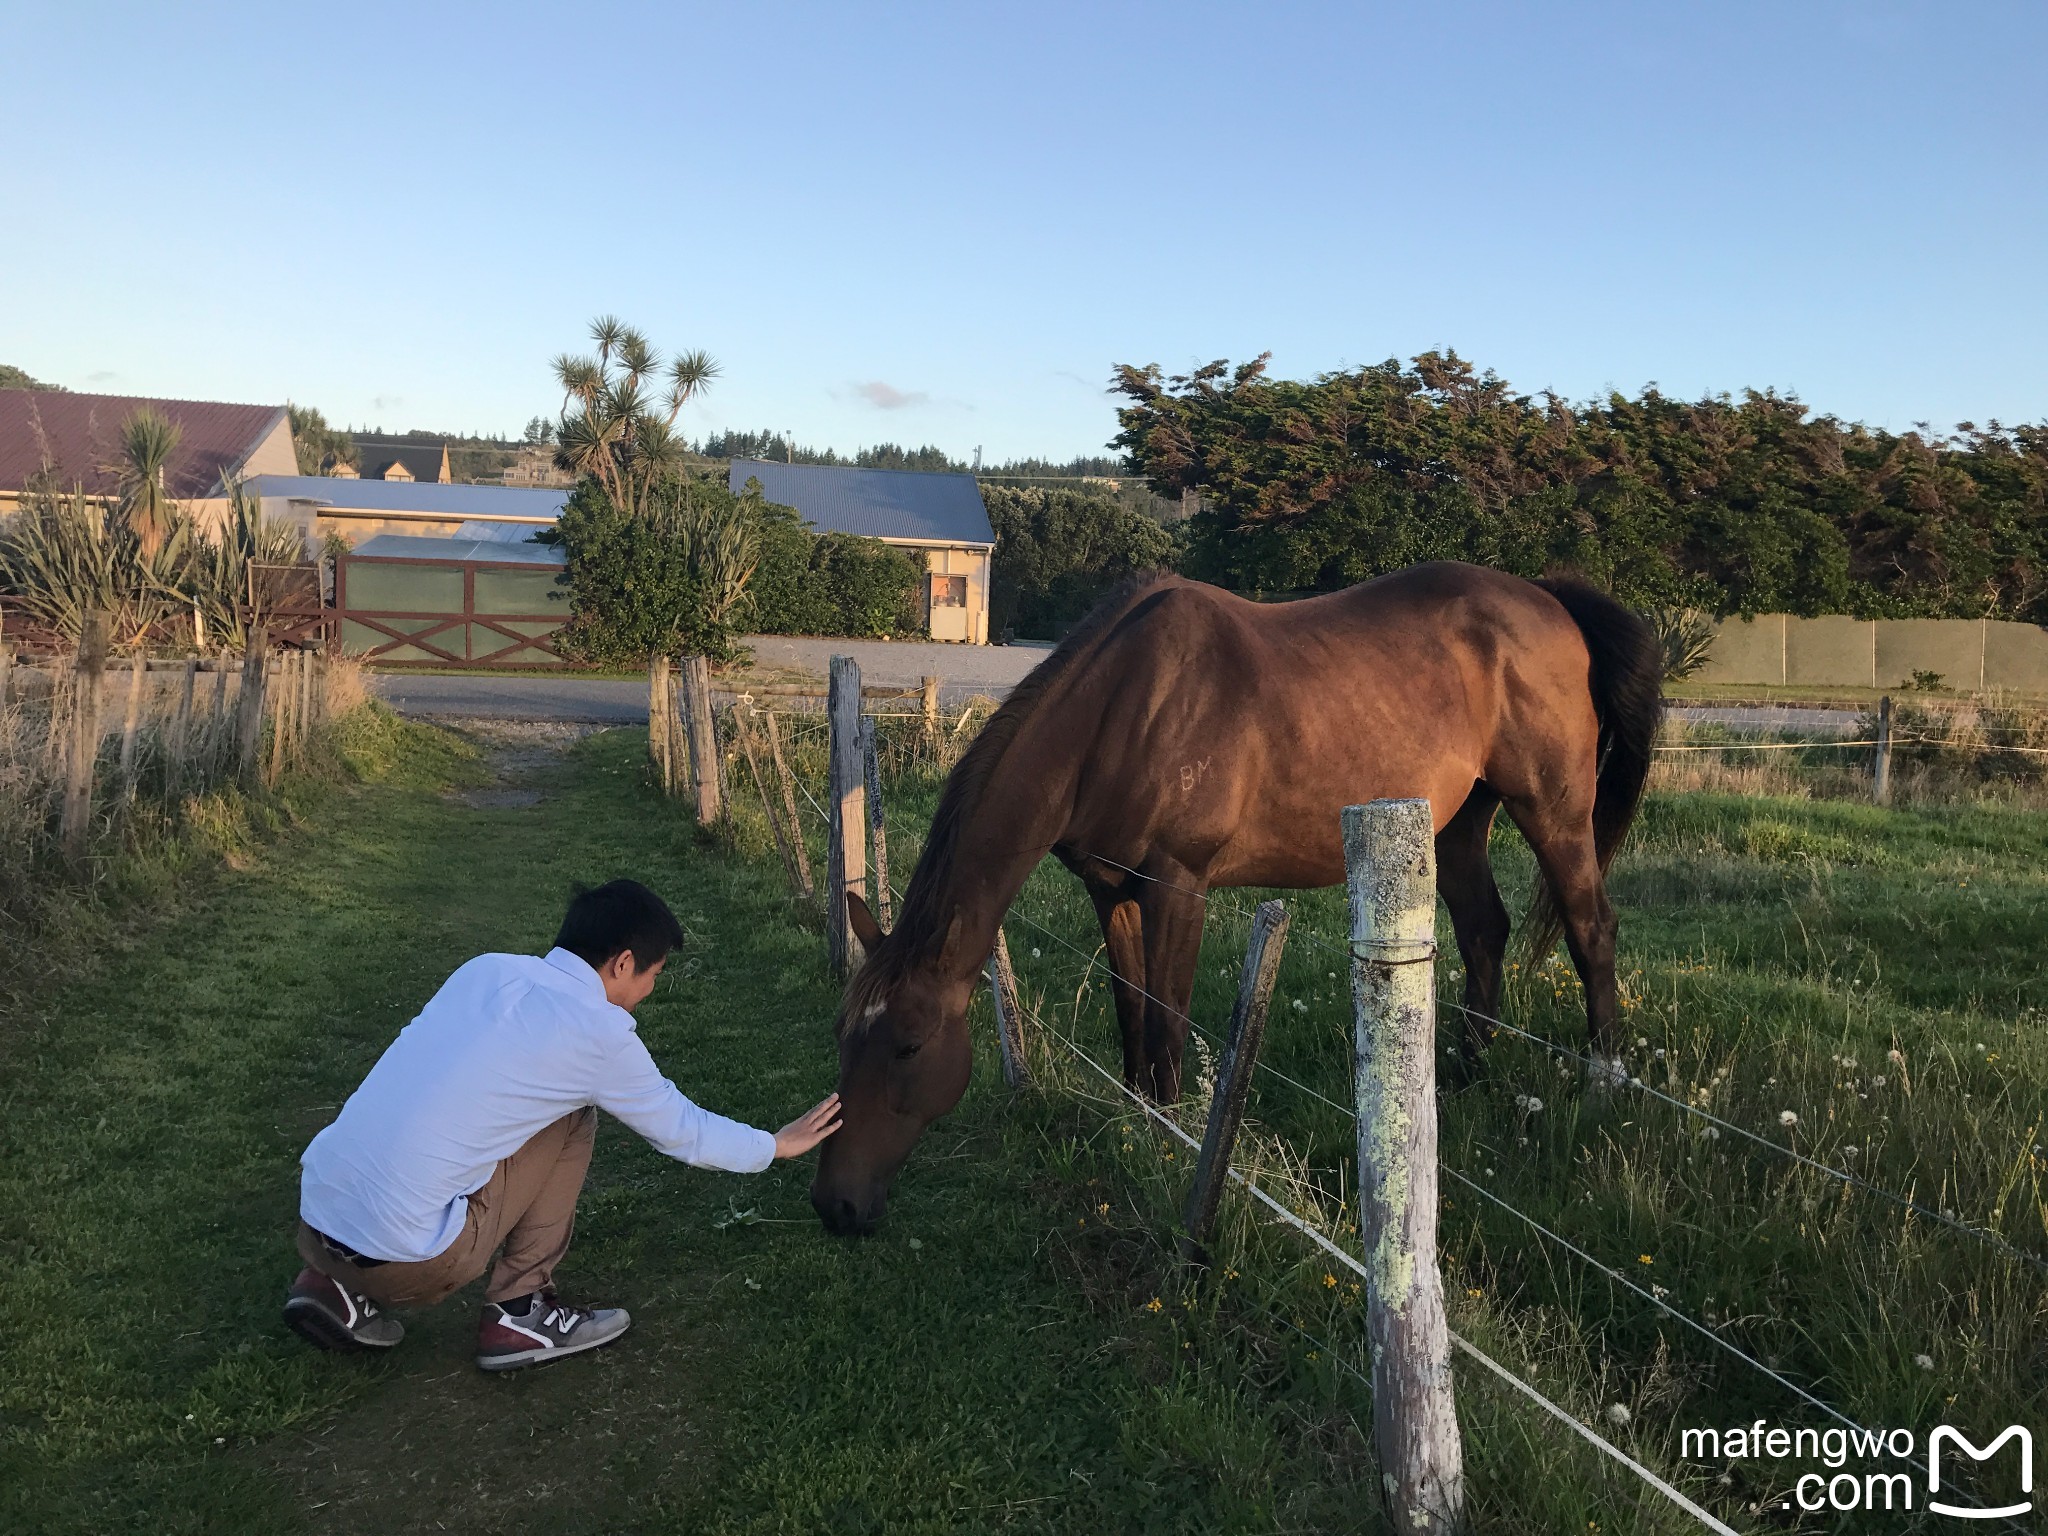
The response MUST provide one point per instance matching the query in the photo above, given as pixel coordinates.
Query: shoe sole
(543, 1356)
(323, 1330)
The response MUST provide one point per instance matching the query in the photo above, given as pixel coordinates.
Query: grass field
(1016, 1350)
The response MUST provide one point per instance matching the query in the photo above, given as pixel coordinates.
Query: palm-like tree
(618, 421)
(148, 439)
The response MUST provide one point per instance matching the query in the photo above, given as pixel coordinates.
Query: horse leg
(1123, 937)
(1173, 905)
(1563, 844)
(1464, 876)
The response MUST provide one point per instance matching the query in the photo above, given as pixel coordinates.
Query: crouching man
(473, 1131)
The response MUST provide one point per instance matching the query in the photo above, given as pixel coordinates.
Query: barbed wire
(1338, 1254)
(1608, 1270)
(1595, 1067)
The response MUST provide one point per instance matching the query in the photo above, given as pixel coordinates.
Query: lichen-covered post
(1234, 1075)
(1390, 868)
(249, 706)
(1881, 764)
(701, 739)
(657, 722)
(846, 864)
(88, 670)
(878, 832)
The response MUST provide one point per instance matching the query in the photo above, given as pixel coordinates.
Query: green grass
(1017, 1350)
(949, 1374)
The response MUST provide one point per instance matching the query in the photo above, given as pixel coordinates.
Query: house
(66, 440)
(940, 519)
(375, 460)
(353, 510)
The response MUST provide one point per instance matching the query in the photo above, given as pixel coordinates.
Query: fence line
(1612, 1273)
(1342, 1256)
(1309, 937)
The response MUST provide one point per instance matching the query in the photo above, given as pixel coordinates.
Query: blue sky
(947, 223)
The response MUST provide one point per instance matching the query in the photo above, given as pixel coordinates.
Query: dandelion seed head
(1787, 1118)
(1617, 1414)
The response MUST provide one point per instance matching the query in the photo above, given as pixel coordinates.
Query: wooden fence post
(846, 842)
(657, 722)
(1234, 1075)
(1390, 869)
(280, 716)
(307, 713)
(787, 780)
(180, 746)
(1881, 766)
(1002, 986)
(6, 672)
(702, 735)
(83, 756)
(131, 720)
(878, 833)
(930, 688)
(249, 707)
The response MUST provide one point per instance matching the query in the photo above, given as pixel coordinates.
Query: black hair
(620, 915)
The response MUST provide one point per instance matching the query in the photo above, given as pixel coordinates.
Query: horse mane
(919, 933)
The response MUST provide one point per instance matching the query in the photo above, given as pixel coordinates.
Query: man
(474, 1130)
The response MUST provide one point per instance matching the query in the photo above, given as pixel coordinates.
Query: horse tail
(1627, 683)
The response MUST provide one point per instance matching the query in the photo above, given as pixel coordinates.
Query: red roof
(79, 437)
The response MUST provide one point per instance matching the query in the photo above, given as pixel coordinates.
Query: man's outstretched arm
(633, 1088)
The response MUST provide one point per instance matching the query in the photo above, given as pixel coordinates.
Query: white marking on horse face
(873, 1011)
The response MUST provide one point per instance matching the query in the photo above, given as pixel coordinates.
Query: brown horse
(1183, 738)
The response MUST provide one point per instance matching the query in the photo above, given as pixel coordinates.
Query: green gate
(410, 600)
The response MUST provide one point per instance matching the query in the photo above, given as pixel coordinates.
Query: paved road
(967, 670)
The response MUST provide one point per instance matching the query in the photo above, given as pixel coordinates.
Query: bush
(1059, 551)
(827, 584)
(670, 583)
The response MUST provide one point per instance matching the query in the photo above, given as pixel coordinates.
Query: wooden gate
(474, 604)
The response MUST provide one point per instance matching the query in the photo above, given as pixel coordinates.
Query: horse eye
(905, 1052)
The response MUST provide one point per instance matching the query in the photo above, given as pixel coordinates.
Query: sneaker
(546, 1330)
(323, 1311)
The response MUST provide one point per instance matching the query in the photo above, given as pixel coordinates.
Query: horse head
(904, 1060)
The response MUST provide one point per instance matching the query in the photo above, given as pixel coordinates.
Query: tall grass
(180, 791)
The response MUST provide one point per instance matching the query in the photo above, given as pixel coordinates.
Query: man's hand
(807, 1130)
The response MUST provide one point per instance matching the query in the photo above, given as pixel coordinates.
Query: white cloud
(887, 397)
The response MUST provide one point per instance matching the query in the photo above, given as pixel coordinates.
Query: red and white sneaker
(323, 1311)
(547, 1329)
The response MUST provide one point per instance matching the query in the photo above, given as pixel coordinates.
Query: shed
(940, 519)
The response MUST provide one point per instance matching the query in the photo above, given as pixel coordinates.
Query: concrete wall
(1837, 652)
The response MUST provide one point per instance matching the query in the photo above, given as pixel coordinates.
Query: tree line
(1728, 505)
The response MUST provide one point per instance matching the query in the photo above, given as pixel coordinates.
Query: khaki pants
(529, 1204)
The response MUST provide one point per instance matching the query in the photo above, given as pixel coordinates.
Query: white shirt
(510, 1044)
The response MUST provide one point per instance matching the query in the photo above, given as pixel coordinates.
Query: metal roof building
(359, 509)
(939, 518)
(76, 439)
(900, 506)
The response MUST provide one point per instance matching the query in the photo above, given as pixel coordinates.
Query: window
(949, 591)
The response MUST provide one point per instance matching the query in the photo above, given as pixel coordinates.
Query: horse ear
(865, 928)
